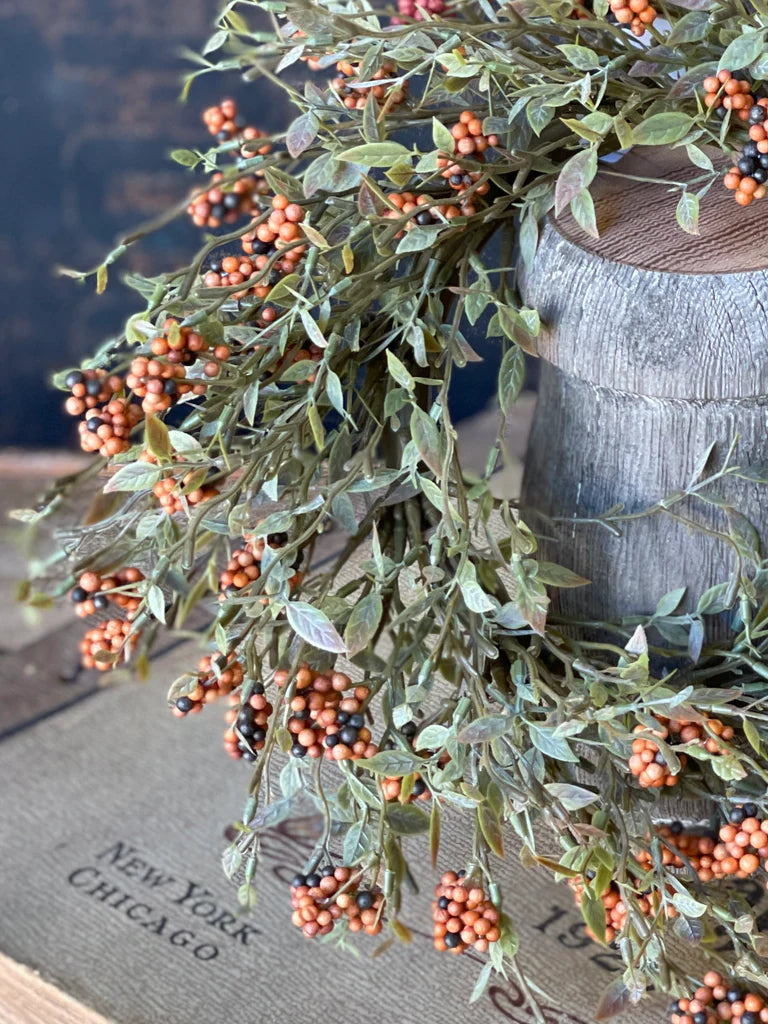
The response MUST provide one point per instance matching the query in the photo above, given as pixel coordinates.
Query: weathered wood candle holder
(654, 345)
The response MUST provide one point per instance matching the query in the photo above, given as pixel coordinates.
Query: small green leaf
(427, 439)
(511, 377)
(687, 213)
(156, 437)
(391, 762)
(580, 57)
(441, 136)
(375, 154)
(398, 372)
(573, 798)
(661, 129)
(185, 157)
(577, 174)
(363, 623)
(314, 626)
(484, 729)
(743, 50)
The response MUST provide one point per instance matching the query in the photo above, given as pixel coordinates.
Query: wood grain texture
(636, 219)
(654, 345)
(26, 999)
(643, 326)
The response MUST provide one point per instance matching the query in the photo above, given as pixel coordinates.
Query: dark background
(89, 110)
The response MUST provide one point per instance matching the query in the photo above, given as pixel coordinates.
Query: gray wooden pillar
(654, 345)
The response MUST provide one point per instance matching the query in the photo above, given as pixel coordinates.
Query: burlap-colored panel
(113, 820)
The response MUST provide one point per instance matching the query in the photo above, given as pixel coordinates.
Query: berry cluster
(230, 271)
(90, 388)
(243, 567)
(748, 179)
(469, 141)
(716, 1000)
(743, 846)
(682, 848)
(112, 637)
(324, 897)
(220, 205)
(647, 762)
(168, 492)
(107, 429)
(637, 14)
(423, 214)
(615, 907)
(392, 787)
(414, 10)
(323, 719)
(226, 123)
(247, 725)
(184, 345)
(726, 91)
(160, 384)
(462, 915)
(209, 687)
(353, 95)
(279, 233)
(93, 592)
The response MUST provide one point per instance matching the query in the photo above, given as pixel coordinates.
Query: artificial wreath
(291, 386)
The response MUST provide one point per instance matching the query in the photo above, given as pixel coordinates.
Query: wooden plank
(636, 218)
(25, 998)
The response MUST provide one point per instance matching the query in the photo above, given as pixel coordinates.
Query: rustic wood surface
(26, 999)
(636, 219)
(654, 345)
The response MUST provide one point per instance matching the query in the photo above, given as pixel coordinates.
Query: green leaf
(669, 602)
(314, 626)
(580, 57)
(577, 174)
(434, 832)
(484, 729)
(687, 213)
(391, 762)
(717, 599)
(185, 157)
(156, 602)
(427, 439)
(251, 401)
(614, 999)
(434, 737)
(661, 129)
(398, 372)
(529, 237)
(593, 912)
(482, 983)
(314, 334)
(511, 377)
(475, 598)
(419, 238)
(375, 154)
(551, 745)
(554, 575)
(490, 826)
(102, 276)
(742, 51)
(407, 819)
(573, 798)
(698, 157)
(583, 210)
(137, 476)
(688, 906)
(753, 736)
(156, 437)
(363, 623)
(691, 28)
(441, 136)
